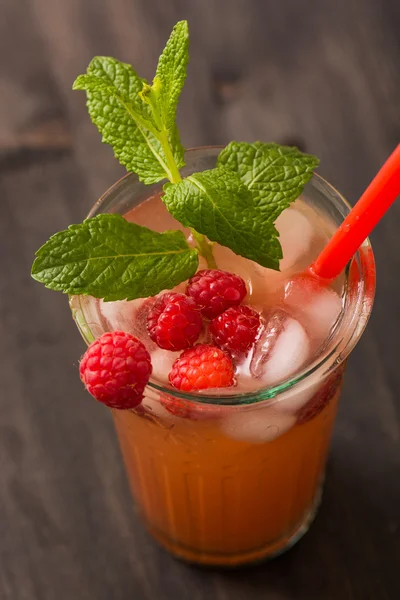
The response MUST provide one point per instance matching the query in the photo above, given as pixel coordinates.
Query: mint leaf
(125, 122)
(142, 115)
(217, 204)
(162, 96)
(171, 72)
(109, 258)
(274, 174)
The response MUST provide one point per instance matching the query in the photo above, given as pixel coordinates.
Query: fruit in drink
(174, 321)
(236, 329)
(116, 369)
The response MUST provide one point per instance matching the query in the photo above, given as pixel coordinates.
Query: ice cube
(121, 315)
(162, 361)
(257, 425)
(295, 235)
(317, 306)
(115, 313)
(281, 349)
(288, 402)
(295, 398)
(129, 316)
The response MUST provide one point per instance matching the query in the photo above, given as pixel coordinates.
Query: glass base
(250, 557)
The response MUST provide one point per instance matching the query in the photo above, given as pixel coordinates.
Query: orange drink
(215, 496)
(229, 476)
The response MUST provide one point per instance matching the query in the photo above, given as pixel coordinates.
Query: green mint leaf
(141, 115)
(124, 121)
(109, 258)
(274, 174)
(217, 204)
(163, 95)
(171, 72)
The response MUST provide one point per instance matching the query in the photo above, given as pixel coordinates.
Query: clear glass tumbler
(235, 479)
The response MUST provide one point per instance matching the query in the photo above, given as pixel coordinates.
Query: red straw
(375, 201)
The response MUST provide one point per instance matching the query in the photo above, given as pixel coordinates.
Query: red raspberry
(322, 398)
(200, 368)
(236, 329)
(174, 322)
(115, 369)
(214, 291)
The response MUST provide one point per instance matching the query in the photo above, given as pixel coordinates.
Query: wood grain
(324, 75)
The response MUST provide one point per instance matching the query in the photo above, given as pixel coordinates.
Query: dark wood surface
(324, 75)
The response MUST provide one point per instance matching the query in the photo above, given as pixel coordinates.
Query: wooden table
(324, 75)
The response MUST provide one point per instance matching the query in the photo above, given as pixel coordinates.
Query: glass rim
(334, 355)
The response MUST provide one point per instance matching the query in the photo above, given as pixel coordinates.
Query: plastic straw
(373, 204)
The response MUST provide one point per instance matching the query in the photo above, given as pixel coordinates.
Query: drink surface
(299, 326)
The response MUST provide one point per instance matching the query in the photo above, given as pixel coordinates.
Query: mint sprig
(235, 204)
(217, 204)
(136, 119)
(109, 258)
(171, 73)
(124, 121)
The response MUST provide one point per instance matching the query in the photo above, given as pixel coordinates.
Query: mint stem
(148, 95)
(203, 245)
(175, 176)
(205, 248)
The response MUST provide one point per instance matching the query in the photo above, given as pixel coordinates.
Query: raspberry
(235, 330)
(322, 398)
(214, 291)
(174, 322)
(115, 369)
(200, 368)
